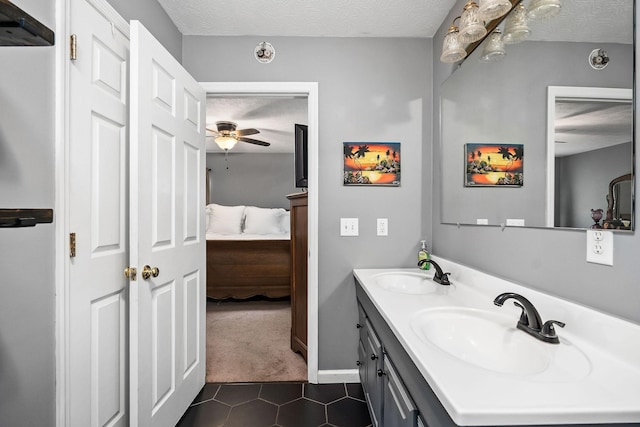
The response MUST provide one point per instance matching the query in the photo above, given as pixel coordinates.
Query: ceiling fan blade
(245, 132)
(215, 132)
(254, 141)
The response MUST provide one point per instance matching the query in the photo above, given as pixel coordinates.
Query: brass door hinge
(72, 245)
(73, 47)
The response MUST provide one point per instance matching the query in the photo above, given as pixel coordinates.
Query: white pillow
(262, 220)
(285, 222)
(225, 219)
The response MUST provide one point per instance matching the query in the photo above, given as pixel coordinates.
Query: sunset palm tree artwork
(371, 163)
(493, 165)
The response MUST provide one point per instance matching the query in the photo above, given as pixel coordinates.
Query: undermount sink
(406, 282)
(491, 341)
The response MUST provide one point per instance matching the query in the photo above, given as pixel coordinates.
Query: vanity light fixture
(472, 27)
(516, 27)
(452, 49)
(493, 50)
(492, 9)
(225, 142)
(540, 9)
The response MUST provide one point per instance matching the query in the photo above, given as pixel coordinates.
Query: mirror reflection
(571, 149)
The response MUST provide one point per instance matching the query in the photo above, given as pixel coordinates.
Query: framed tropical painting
(372, 163)
(489, 165)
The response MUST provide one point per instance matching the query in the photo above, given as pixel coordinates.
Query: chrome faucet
(439, 277)
(530, 320)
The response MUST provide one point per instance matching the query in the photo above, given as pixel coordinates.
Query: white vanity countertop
(604, 390)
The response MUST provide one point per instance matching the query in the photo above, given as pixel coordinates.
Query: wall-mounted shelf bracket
(25, 217)
(18, 28)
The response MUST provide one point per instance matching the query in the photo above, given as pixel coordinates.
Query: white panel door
(167, 312)
(96, 314)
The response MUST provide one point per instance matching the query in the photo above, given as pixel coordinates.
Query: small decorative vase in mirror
(596, 216)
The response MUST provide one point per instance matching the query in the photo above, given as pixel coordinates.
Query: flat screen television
(301, 155)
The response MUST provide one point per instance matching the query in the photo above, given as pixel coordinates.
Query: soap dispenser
(423, 254)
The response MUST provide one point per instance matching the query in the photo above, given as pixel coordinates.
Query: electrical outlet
(383, 227)
(600, 247)
(348, 226)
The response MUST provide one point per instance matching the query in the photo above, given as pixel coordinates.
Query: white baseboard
(338, 376)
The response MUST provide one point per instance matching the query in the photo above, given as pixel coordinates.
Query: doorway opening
(307, 91)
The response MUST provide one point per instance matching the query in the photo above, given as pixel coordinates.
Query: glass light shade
(225, 142)
(516, 27)
(452, 50)
(492, 9)
(471, 26)
(493, 50)
(540, 9)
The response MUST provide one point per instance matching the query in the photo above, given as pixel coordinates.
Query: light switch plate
(348, 226)
(600, 247)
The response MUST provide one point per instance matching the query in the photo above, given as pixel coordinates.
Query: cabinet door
(362, 318)
(399, 409)
(362, 365)
(373, 359)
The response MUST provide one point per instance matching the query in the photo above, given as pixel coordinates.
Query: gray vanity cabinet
(370, 361)
(399, 410)
(402, 397)
(389, 403)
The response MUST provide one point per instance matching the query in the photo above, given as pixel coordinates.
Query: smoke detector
(598, 59)
(264, 52)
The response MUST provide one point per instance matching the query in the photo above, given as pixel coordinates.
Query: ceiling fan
(227, 135)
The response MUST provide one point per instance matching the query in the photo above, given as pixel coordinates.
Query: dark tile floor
(278, 405)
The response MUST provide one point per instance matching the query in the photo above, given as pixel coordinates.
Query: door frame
(310, 90)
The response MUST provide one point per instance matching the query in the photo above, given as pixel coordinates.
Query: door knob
(130, 273)
(147, 272)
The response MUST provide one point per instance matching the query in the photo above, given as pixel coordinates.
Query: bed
(248, 252)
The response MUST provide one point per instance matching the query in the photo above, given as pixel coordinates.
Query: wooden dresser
(299, 272)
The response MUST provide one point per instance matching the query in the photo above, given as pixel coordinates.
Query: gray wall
(27, 177)
(262, 180)
(155, 19)
(584, 182)
(27, 307)
(552, 261)
(506, 102)
(369, 90)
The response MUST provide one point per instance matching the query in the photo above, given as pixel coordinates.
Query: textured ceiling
(274, 117)
(590, 125)
(313, 18)
(603, 21)
(381, 18)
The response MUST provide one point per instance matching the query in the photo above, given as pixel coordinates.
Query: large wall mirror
(544, 137)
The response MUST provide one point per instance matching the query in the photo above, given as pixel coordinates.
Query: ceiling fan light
(225, 142)
(541, 9)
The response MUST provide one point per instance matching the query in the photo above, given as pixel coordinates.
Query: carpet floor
(249, 341)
